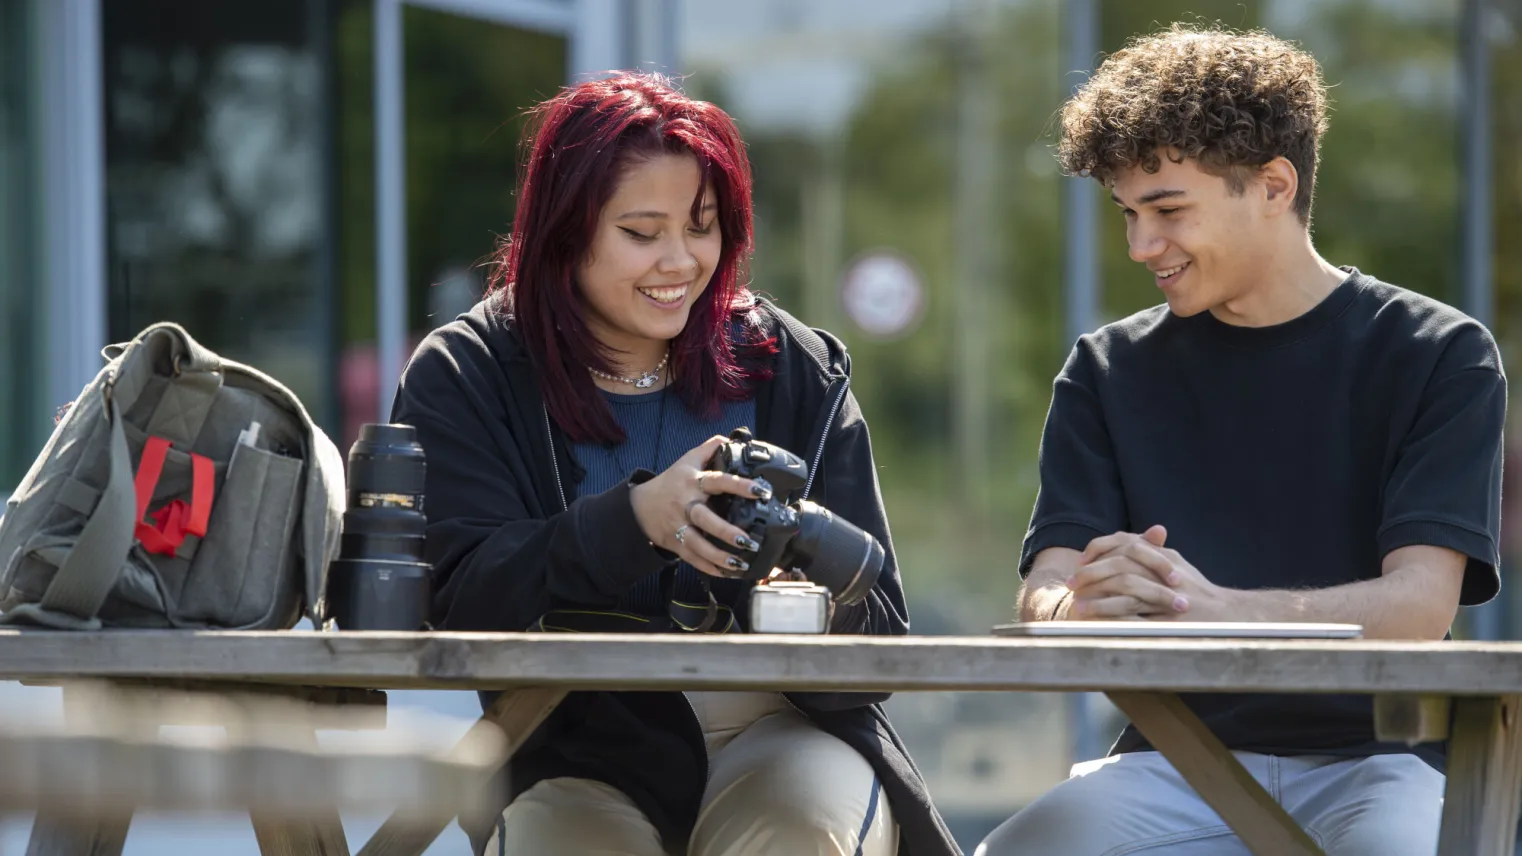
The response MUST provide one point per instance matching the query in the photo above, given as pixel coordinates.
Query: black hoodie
(506, 548)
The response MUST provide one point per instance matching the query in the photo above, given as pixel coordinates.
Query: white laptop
(1177, 629)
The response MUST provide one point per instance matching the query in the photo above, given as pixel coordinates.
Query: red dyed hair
(577, 147)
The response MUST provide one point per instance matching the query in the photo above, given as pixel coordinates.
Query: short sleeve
(1444, 489)
(1080, 494)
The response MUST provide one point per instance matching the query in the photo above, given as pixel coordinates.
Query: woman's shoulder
(485, 330)
(480, 341)
(798, 341)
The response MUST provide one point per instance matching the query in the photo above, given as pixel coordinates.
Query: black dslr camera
(837, 559)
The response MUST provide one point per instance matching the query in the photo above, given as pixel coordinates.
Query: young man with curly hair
(1284, 440)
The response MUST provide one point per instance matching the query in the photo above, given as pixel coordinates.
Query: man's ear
(1279, 181)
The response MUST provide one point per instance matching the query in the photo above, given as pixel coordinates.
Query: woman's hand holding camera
(673, 511)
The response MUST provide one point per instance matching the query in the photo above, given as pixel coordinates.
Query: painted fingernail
(1180, 604)
(1174, 579)
(761, 488)
(737, 563)
(746, 543)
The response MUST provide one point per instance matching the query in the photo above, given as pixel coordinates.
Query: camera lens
(379, 580)
(834, 553)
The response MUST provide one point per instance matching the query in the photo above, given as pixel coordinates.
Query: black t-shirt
(1291, 457)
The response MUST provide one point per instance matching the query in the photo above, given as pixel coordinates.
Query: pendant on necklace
(646, 380)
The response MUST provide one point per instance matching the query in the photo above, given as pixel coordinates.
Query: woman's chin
(668, 327)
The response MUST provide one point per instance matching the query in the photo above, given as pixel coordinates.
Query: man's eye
(1167, 212)
(638, 236)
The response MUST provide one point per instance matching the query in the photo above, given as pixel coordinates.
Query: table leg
(56, 833)
(1484, 778)
(60, 835)
(286, 837)
(516, 713)
(318, 834)
(1215, 774)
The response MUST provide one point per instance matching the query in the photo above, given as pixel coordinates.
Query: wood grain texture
(104, 775)
(281, 837)
(515, 715)
(585, 661)
(1410, 718)
(56, 834)
(1215, 774)
(1484, 787)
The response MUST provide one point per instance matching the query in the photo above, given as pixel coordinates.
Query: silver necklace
(644, 381)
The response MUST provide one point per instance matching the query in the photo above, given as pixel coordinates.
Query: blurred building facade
(310, 185)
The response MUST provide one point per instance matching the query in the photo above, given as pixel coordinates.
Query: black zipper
(554, 460)
(845, 384)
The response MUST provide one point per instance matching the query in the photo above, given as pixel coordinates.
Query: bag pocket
(244, 571)
(137, 598)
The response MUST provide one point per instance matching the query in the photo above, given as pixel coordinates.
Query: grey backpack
(179, 490)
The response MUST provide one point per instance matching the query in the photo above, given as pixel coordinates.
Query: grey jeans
(1383, 805)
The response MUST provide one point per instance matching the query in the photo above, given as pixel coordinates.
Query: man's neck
(1293, 279)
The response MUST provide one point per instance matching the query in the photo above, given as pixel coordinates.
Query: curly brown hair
(1231, 100)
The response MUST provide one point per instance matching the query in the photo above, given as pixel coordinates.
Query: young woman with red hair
(568, 420)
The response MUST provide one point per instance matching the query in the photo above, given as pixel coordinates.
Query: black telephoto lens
(379, 580)
(834, 553)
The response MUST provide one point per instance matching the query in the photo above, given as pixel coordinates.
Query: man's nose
(1145, 245)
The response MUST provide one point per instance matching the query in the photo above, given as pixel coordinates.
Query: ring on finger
(694, 504)
(681, 534)
(701, 476)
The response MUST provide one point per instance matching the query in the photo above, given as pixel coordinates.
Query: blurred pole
(823, 217)
(1081, 264)
(651, 29)
(669, 32)
(327, 321)
(73, 195)
(1081, 282)
(1488, 621)
(596, 40)
(390, 204)
(976, 178)
(1477, 295)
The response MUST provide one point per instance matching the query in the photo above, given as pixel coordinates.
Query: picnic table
(1466, 692)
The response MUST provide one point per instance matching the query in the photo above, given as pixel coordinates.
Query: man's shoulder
(1398, 317)
(1127, 337)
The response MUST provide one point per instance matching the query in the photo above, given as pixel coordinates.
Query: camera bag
(180, 490)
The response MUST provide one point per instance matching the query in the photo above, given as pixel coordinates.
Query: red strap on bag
(148, 471)
(203, 483)
(176, 519)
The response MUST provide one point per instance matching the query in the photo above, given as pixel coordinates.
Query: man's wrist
(1060, 607)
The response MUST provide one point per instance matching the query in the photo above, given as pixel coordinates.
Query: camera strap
(710, 617)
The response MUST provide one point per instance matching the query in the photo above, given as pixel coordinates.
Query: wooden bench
(1469, 692)
(256, 750)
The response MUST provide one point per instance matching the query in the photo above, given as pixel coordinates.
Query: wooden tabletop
(930, 663)
(1424, 690)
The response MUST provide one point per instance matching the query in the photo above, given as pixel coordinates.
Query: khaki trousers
(777, 786)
